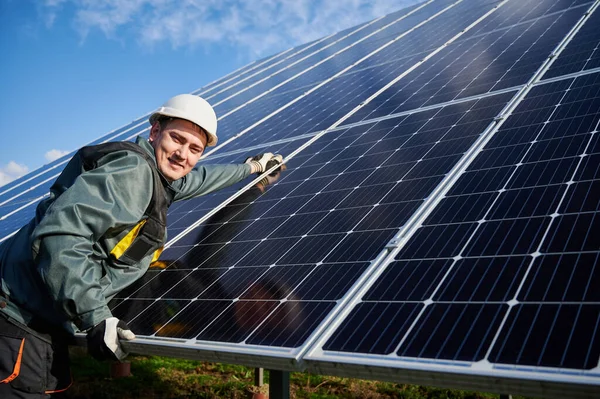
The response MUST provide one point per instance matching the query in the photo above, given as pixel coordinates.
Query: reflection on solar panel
(436, 221)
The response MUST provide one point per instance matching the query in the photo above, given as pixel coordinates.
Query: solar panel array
(436, 221)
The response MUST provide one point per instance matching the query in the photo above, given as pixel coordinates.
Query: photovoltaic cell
(582, 53)
(476, 65)
(338, 97)
(508, 258)
(516, 12)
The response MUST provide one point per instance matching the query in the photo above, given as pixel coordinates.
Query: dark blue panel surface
(582, 53)
(344, 50)
(477, 65)
(518, 12)
(509, 257)
(335, 99)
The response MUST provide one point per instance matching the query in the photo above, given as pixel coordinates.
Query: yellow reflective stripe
(159, 264)
(157, 254)
(126, 241)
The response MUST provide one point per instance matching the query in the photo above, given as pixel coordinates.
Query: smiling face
(178, 145)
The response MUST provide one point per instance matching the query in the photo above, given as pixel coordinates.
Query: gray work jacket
(58, 268)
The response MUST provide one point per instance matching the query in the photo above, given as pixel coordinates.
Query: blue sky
(74, 70)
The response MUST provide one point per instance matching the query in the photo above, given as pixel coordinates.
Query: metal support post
(258, 376)
(279, 384)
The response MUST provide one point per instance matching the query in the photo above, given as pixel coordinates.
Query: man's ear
(154, 131)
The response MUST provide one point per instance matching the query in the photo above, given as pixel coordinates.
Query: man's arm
(112, 196)
(206, 179)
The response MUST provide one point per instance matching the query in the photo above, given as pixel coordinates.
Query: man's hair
(164, 121)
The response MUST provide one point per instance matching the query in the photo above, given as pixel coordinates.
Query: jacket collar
(145, 144)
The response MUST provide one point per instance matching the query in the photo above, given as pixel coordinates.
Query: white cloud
(257, 26)
(50, 11)
(53, 155)
(11, 171)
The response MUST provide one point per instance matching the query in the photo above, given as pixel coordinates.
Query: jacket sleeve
(208, 178)
(111, 196)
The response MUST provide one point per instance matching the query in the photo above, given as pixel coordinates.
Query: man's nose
(183, 152)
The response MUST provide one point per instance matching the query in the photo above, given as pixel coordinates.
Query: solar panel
(418, 234)
(487, 62)
(314, 225)
(497, 278)
(338, 93)
(583, 53)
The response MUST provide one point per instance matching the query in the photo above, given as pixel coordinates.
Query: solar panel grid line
(591, 380)
(374, 144)
(250, 67)
(579, 55)
(239, 71)
(323, 83)
(223, 204)
(538, 74)
(406, 232)
(35, 201)
(343, 61)
(313, 66)
(525, 20)
(414, 93)
(359, 123)
(585, 17)
(29, 179)
(249, 149)
(537, 253)
(501, 118)
(455, 18)
(297, 353)
(233, 74)
(2, 217)
(369, 121)
(61, 163)
(412, 226)
(64, 161)
(336, 124)
(210, 96)
(568, 76)
(267, 60)
(290, 65)
(554, 52)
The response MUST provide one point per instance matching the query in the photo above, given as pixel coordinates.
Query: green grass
(161, 377)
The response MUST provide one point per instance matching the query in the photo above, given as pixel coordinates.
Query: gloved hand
(103, 339)
(263, 162)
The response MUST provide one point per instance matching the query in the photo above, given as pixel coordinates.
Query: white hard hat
(191, 108)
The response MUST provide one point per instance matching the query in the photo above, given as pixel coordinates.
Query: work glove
(262, 162)
(103, 339)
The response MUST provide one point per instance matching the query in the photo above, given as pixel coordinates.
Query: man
(97, 232)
